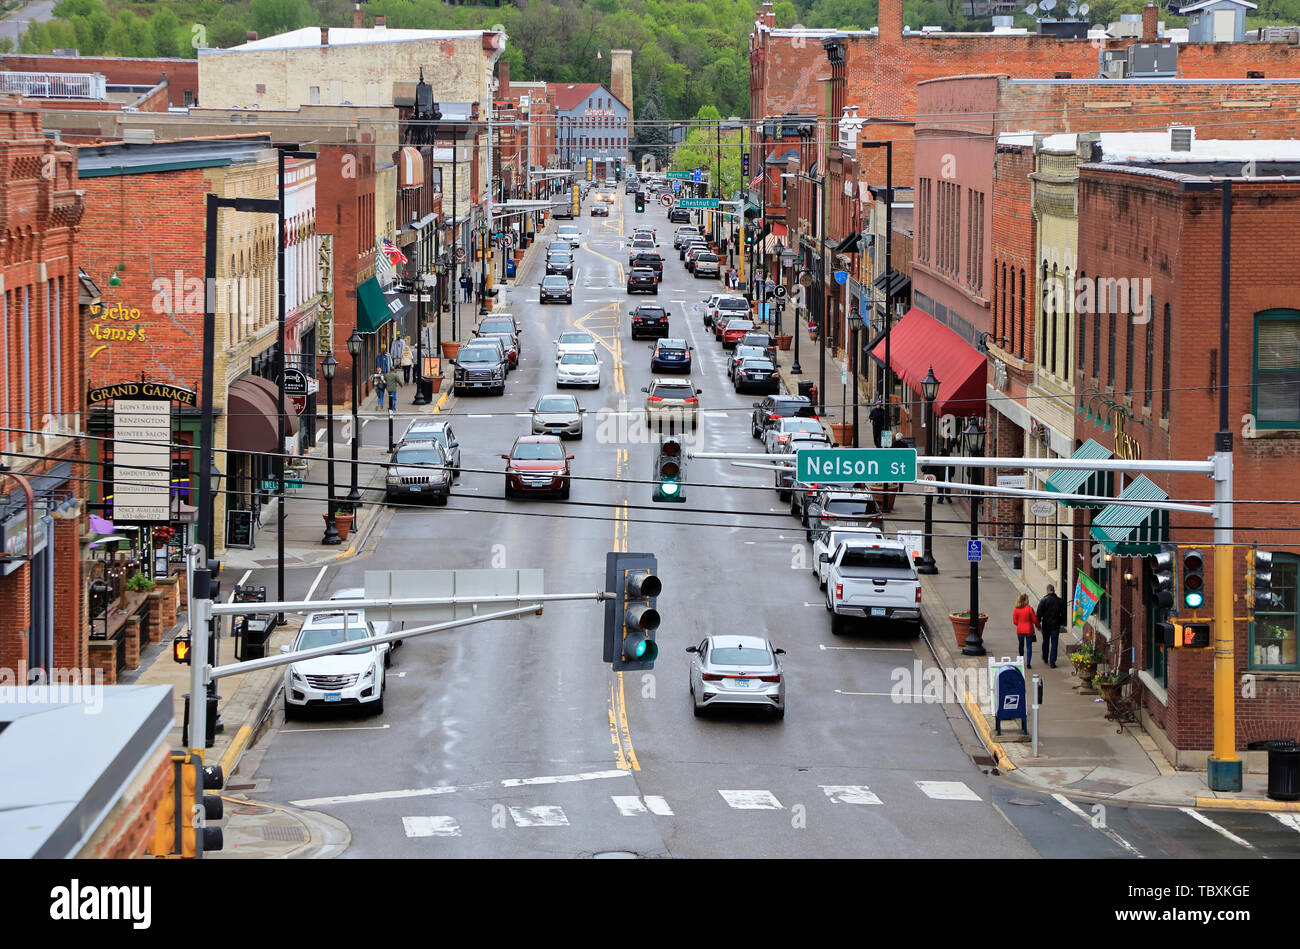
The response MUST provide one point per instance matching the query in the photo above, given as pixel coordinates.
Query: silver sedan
(737, 670)
(557, 415)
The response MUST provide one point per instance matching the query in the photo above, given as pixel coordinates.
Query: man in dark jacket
(1051, 617)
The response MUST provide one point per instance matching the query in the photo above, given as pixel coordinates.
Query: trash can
(510, 267)
(253, 632)
(806, 387)
(426, 390)
(1283, 768)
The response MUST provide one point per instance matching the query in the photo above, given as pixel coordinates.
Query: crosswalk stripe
(1217, 828)
(628, 806)
(948, 791)
(431, 827)
(1289, 820)
(752, 800)
(543, 815)
(850, 794)
(658, 805)
(1088, 819)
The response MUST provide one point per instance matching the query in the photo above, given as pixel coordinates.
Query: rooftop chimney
(768, 16)
(358, 18)
(890, 21)
(250, 35)
(1150, 23)
(381, 22)
(324, 36)
(503, 79)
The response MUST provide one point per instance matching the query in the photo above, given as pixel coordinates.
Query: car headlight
(293, 675)
(370, 673)
(392, 474)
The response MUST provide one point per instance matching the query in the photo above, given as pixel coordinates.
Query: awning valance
(251, 423)
(410, 167)
(772, 244)
(273, 391)
(1082, 481)
(849, 245)
(372, 307)
(899, 282)
(1131, 529)
(918, 342)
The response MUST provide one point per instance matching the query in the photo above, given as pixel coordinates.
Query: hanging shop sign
(142, 460)
(142, 390)
(325, 306)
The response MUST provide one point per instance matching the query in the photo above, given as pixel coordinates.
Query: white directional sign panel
(413, 584)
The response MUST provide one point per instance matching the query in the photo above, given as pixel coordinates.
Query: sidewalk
(1080, 751)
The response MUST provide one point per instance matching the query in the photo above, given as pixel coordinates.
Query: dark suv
(779, 406)
(652, 260)
(649, 320)
(480, 366)
(679, 216)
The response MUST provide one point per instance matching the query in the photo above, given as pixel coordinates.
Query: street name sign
(679, 175)
(850, 465)
(711, 203)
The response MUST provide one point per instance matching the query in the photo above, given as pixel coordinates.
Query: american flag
(392, 252)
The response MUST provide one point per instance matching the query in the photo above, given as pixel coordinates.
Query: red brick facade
(182, 74)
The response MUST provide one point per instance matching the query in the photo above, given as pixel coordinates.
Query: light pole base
(419, 393)
(331, 537)
(974, 647)
(796, 370)
(1224, 775)
(925, 564)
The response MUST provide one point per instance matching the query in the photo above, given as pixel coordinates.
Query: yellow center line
(619, 731)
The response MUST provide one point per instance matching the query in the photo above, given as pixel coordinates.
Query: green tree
(67, 9)
(130, 36)
(651, 124)
(166, 30)
(272, 17)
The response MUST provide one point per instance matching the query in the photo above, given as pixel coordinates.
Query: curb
(981, 724)
(1251, 804)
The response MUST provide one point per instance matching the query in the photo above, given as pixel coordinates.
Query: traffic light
(181, 648)
(618, 169)
(1184, 635)
(670, 470)
(212, 839)
(1193, 579)
(1259, 583)
(630, 614)
(640, 201)
(1163, 593)
(176, 824)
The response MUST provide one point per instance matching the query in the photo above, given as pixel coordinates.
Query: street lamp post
(929, 389)
(974, 439)
(855, 323)
(419, 309)
(328, 368)
(889, 263)
(354, 349)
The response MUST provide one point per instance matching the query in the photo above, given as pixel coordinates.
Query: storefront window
(1273, 633)
(1155, 649)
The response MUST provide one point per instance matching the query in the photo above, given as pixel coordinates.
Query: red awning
(918, 342)
(778, 230)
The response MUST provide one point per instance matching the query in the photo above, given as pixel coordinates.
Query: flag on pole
(1087, 594)
(393, 253)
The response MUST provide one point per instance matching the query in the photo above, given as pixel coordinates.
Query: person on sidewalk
(877, 418)
(1026, 621)
(408, 362)
(392, 379)
(395, 351)
(1051, 618)
(465, 284)
(378, 381)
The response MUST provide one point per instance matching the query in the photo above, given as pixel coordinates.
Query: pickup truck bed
(859, 590)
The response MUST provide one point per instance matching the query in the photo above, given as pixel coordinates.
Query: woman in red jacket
(1026, 621)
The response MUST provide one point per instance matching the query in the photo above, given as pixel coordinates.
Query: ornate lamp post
(973, 439)
(354, 349)
(929, 389)
(328, 368)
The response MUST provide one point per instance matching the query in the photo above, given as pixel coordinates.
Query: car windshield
(584, 338)
(875, 557)
(745, 351)
(849, 507)
(756, 339)
(644, 273)
(738, 656)
(579, 359)
(332, 636)
(672, 344)
(734, 325)
(755, 363)
(561, 260)
(538, 451)
(496, 326)
(674, 392)
(558, 403)
(418, 456)
(556, 280)
(566, 229)
(708, 258)
(800, 425)
(477, 354)
(790, 408)
(657, 312)
(730, 304)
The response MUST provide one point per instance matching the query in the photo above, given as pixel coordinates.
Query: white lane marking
(320, 573)
(1217, 828)
(871, 648)
(564, 778)
(658, 805)
(543, 815)
(399, 675)
(752, 800)
(850, 794)
(948, 791)
(384, 795)
(320, 435)
(431, 827)
(242, 581)
(336, 728)
(1087, 818)
(1289, 820)
(629, 806)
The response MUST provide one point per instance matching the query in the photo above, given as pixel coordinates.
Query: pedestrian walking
(395, 350)
(392, 379)
(877, 419)
(465, 283)
(408, 361)
(1051, 618)
(383, 363)
(1026, 621)
(378, 381)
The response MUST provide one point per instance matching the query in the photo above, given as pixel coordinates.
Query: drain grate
(285, 833)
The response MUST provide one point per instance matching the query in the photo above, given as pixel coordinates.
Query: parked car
(776, 407)
(672, 399)
(738, 354)
(828, 541)
(689, 244)
(495, 342)
(642, 280)
(557, 415)
(756, 338)
(537, 464)
(600, 210)
(694, 253)
(378, 627)
(683, 233)
(839, 508)
(560, 264)
(737, 670)
(509, 342)
(649, 320)
(574, 341)
(679, 216)
(706, 265)
(734, 330)
(559, 246)
(799, 441)
(418, 470)
(555, 287)
(629, 186)
(564, 210)
(479, 367)
(874, 580)
(425, 428)
(670, 355)
(757, 374)
(570, 233)
(725, 304)
(578, 369)
(779, 433)
(354, 678)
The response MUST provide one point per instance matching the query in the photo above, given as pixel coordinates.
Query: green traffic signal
(1193, 579)
(670, 470)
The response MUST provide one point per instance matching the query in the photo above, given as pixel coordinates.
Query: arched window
(1067, 309)
(1022, 312)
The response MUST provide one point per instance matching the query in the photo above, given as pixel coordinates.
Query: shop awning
(372, 307)
(918, 342)
(1082, 481)
(1130, 529)
(899, 283)
(251, 418)
(772, 244)
(272, 390)
(849, 245)
(410, 167)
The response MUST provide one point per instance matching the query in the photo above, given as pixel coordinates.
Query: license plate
(415, 487)
(877, 611)
(333, 696)
(740, 683)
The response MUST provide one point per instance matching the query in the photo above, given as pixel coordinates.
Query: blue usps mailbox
(1011, 698)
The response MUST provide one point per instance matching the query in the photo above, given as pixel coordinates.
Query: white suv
(352, 678)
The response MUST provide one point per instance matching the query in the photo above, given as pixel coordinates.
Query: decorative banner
(142, 431)
(1086, 597)
(325, 308)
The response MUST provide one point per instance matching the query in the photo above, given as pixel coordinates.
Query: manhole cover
(615, 855)
(286, 833)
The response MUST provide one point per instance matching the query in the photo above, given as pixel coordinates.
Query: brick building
(592, 127)
(42, 380)
(1161, 378)
(180, 76)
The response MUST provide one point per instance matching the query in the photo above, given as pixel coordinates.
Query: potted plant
(139, 583)
(1085, 659)
(343, 517)
(783, 343)
(1109, 684)
(961, 625)
(449, 350)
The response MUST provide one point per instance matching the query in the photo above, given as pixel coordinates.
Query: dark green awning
(1083, 481)
(1130, 529)
(372, 307)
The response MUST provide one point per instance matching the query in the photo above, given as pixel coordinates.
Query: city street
(514, 739)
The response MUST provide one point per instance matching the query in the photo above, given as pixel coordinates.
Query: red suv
(537, 464)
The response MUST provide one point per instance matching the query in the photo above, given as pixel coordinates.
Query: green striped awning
(1082, 481)
(372, 307)
(1130, 529)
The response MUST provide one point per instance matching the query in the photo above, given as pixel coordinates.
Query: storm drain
(284, 833)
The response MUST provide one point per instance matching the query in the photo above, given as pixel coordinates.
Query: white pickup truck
(874, 580)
